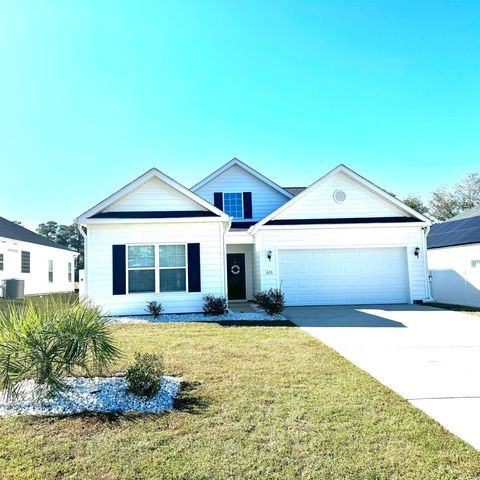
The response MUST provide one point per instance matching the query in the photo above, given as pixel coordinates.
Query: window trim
(157, 268)
(69, 272)
(22, 252)
(241, 202)
(50, 262)
(2, 262)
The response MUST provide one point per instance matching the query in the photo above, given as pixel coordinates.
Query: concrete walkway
(429, 356)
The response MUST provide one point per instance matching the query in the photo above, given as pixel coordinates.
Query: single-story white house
(45, 266)
(342, 240)
(454, 259)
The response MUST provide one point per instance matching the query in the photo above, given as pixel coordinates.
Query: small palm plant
(48, 340)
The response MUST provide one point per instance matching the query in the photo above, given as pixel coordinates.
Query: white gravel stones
(107, 395)
(197, 317)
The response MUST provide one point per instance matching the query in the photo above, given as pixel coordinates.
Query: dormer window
(233, 204)
(236, 204)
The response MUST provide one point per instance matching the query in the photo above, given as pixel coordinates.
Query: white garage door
(344, 276)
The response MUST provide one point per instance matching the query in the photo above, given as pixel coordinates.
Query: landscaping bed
(98, 394)
(196, 317)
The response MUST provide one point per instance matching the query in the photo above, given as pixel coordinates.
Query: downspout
(426, 270)
(84, 235)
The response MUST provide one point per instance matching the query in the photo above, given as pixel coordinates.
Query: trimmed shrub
(50, 339)
(144, 376)
(154, 308)
(213, 305)
(272, 301)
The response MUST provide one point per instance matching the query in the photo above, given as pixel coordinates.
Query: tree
(467, 191)
(444, 204)
(49, 230)
(66, 235)
(415, 202)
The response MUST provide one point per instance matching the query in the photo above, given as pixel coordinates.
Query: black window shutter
(194, 284)
(119, 274)
(247, 204)
(218, 200)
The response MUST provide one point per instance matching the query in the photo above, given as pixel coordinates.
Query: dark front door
(236, 276)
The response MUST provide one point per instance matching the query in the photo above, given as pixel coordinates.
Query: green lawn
(259, 402)
(37, 298)
(456, 308)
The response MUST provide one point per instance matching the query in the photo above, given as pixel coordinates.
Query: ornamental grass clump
(46, 341)
(144, 376)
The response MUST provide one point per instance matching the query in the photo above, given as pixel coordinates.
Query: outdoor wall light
(416, 252)
(269, 255)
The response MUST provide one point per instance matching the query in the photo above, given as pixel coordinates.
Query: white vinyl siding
(154, 195)
(360, 202)
(456, 274)
(100, 239)
(265, 199)
(36, 282)
(343, 276)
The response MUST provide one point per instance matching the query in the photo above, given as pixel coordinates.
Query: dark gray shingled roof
(454, 232)
(294, 190)
(13, 231)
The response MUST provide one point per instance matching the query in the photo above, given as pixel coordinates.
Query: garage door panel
(344, 276)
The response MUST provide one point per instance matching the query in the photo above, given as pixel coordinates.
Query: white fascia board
(337, 226)
(341, 169)
(239, 163)
(103, 221)
(130, 187)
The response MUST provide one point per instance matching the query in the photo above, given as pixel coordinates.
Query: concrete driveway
(428, 355)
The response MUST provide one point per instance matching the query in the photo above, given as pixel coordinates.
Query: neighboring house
(342, 240)
(454, 259)
(45, 266)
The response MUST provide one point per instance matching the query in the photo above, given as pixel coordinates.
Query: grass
(38, 298)
(258, 402)
(456, 308)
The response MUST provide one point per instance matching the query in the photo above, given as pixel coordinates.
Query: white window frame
(69, 272)
(2, 262)
(50, 262)
(241, 202)
(157, 268)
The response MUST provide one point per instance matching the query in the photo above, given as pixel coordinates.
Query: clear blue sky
(93, 93)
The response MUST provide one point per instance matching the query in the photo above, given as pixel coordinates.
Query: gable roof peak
(141, 180)
(355, 176)
(248, 169)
